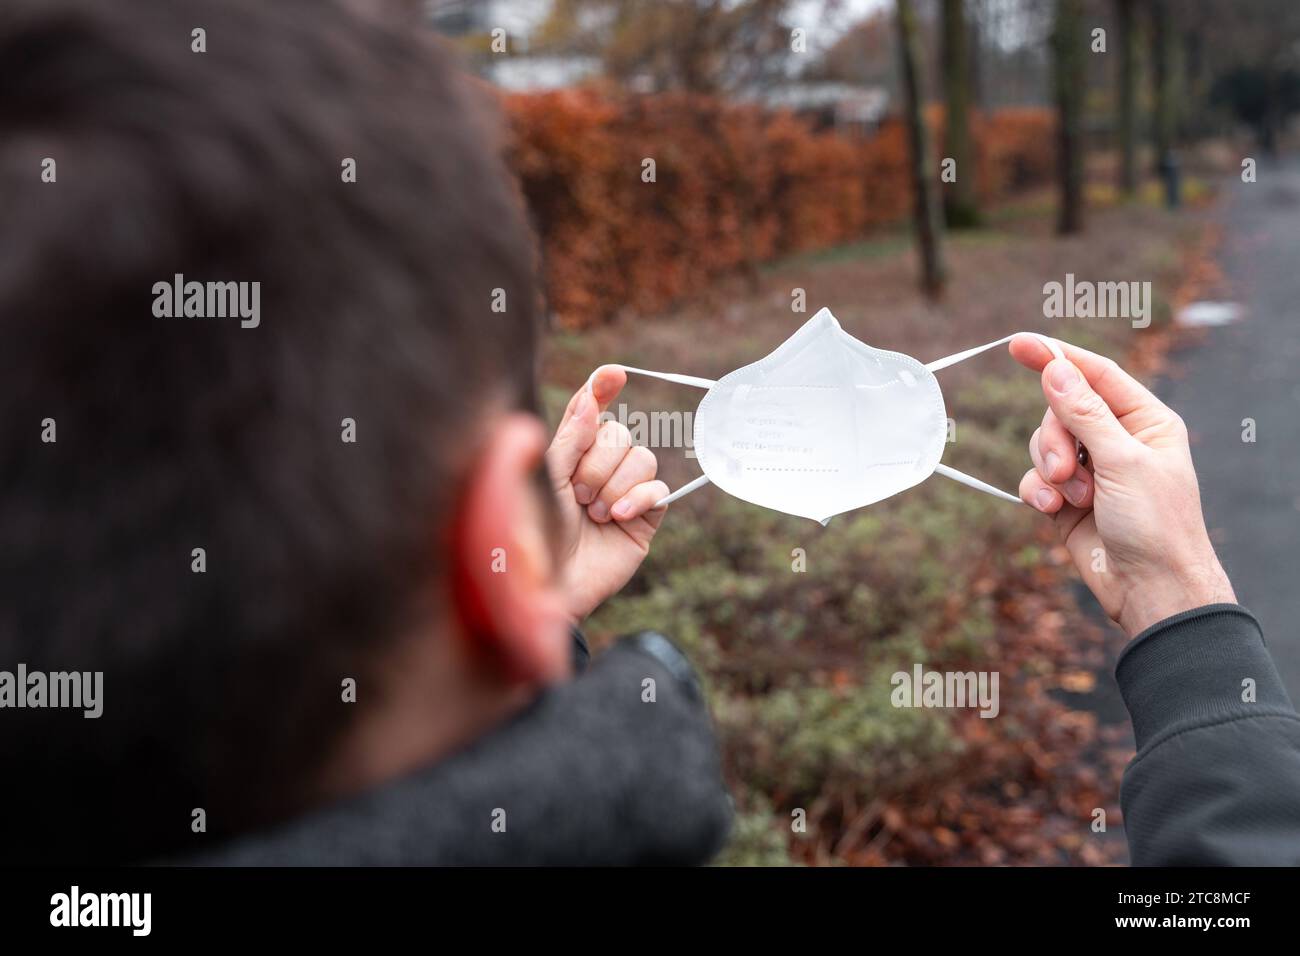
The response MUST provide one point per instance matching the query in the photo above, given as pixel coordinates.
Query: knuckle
(1089, 407)
(614, 434)
(644, 459)
(1054, 440)
(1108, 372)
(593, 467)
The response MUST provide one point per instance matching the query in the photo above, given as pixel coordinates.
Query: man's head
(231, 522)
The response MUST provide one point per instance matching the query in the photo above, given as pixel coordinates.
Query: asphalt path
(1250, 369)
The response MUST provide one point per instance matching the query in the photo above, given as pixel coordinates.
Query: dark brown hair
(222, 688)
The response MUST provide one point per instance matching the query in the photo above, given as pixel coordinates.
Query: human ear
(509, 603)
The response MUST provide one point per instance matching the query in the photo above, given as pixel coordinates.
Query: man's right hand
(1132, 523)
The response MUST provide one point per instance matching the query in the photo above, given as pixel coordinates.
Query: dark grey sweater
(594, 774)
(1216, 779)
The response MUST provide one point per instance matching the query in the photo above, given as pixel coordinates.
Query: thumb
(576, 434)
(1083, 412)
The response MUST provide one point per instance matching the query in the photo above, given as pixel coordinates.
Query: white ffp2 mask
(824, 424)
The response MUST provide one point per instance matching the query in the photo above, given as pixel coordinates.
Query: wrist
(576, 599)
(1178, 590)
(579, 604)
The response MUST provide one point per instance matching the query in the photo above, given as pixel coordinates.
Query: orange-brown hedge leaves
(734, 187)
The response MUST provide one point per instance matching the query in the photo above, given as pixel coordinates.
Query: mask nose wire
(693, 380)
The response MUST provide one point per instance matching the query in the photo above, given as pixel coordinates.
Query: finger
(638, 465)
(1043, 497)
(1067, 519)
(640, 500)
(655, 516)
(1070, 477)
(597, 465)
(576, 434)
(1074, 483)
(1038, 494)
(1121, 391)
(578, 428)
(606, 382)
(1085, 414)
(1052, 449)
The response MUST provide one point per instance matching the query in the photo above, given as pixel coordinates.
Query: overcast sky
(826, 20)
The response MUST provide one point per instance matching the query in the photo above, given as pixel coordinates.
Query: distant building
(522, 69)
(535, 73)
(842, 106)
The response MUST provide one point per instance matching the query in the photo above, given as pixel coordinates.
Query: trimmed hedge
(733, 187)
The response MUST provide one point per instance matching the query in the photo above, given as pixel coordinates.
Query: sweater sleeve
(1216, 778)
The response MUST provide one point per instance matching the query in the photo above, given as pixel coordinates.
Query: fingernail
(621, 509)
(1050, 463)
(599, 510)
(1075, 490)
(1063, 376)
(1043, 498)
(582, 493)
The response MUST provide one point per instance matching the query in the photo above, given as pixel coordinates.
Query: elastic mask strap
(938, 364)
(975, 483)
(704, 383)
(943, 363)
(666, 376)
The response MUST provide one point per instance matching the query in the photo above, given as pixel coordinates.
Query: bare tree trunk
(924, 188)
(975, 11)
(1161, 35)
(1164, 39)
(960, 203)
(1068, 46)
(1128, 135)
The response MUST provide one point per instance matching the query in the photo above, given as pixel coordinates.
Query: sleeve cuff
(1191, 669)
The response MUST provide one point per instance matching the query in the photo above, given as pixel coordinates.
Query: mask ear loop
(703, 383)
(943, 363)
